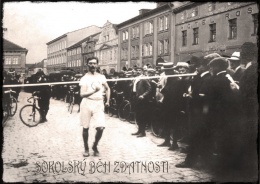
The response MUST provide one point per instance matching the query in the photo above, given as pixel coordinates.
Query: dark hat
(196, 61)
(206, 60)
(219, 62)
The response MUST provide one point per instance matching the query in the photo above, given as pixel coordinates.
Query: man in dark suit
(198, 128)
(248, 89)
(172, 105)
(235, 66)
(143, 95)
(44, 94)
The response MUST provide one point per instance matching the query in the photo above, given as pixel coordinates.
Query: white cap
(235, 56)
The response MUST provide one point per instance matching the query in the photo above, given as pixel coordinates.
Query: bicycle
(127, 111)
(9, 106)
(115, 101)
(30, 114)
(157, 124)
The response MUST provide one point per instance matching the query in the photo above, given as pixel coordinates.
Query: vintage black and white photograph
(132, 92)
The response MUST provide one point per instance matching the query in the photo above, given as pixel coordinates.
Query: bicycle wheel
(30, 116)
(157, 124)
(121, 113)
(13, 106)
(127, 111)
(112, 107)
(5, 117)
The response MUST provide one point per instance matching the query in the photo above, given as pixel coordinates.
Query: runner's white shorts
(92, 111)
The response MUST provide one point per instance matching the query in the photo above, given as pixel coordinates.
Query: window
(232, 29)
(195, 36)
(160, 47)
(160, 23)
(8, 61)
(194, 12)
(255, 21)
(212, 32)
(212, 6)
(125, 35)
(163, 23)
(184, 38)
(137, 31)
(133, 52)
(78, 50)
(183, 15)
(163, 46)
(133, 32)
(148, 49)
(148, 27)
(166, 25)
(136, 51)
(15, 60)
(69, 53)
(166, 46)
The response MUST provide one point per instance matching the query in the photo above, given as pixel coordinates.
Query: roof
(83, 40)
(60, 37)
(10, 46)
(184, 6)
(156, 10)
(153, 11)
(66, 34)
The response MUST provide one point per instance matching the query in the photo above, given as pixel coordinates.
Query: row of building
(172, 31)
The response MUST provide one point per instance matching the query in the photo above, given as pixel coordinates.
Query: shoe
(42, 121)
(141, 135)
(184, 165)
(164, 144)
(136, 133)
(174, 147)
(96, 153)
(86, 154)
(184, 150)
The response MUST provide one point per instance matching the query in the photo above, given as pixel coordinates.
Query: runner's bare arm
(84, 92)
(107, 93)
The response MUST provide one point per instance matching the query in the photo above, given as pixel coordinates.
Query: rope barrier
(76, 82)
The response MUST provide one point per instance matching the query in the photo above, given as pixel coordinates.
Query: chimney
(142, 11)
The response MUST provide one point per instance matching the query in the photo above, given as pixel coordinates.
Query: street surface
(52, 152)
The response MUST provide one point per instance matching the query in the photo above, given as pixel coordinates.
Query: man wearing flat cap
(198, 144)
(221, 112)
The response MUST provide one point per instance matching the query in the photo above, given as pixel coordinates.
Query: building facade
(175, 31)
(222, 27)
(14, 57)
(147, 37)
(106, 48)
(57, 48)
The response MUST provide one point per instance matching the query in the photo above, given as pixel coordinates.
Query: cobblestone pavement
(52, 152)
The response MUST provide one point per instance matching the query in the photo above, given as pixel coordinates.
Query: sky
(32, 25)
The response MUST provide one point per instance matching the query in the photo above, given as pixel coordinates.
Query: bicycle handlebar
(9, 91)
(34, 97)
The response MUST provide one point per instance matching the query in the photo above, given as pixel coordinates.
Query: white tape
(76, 82)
